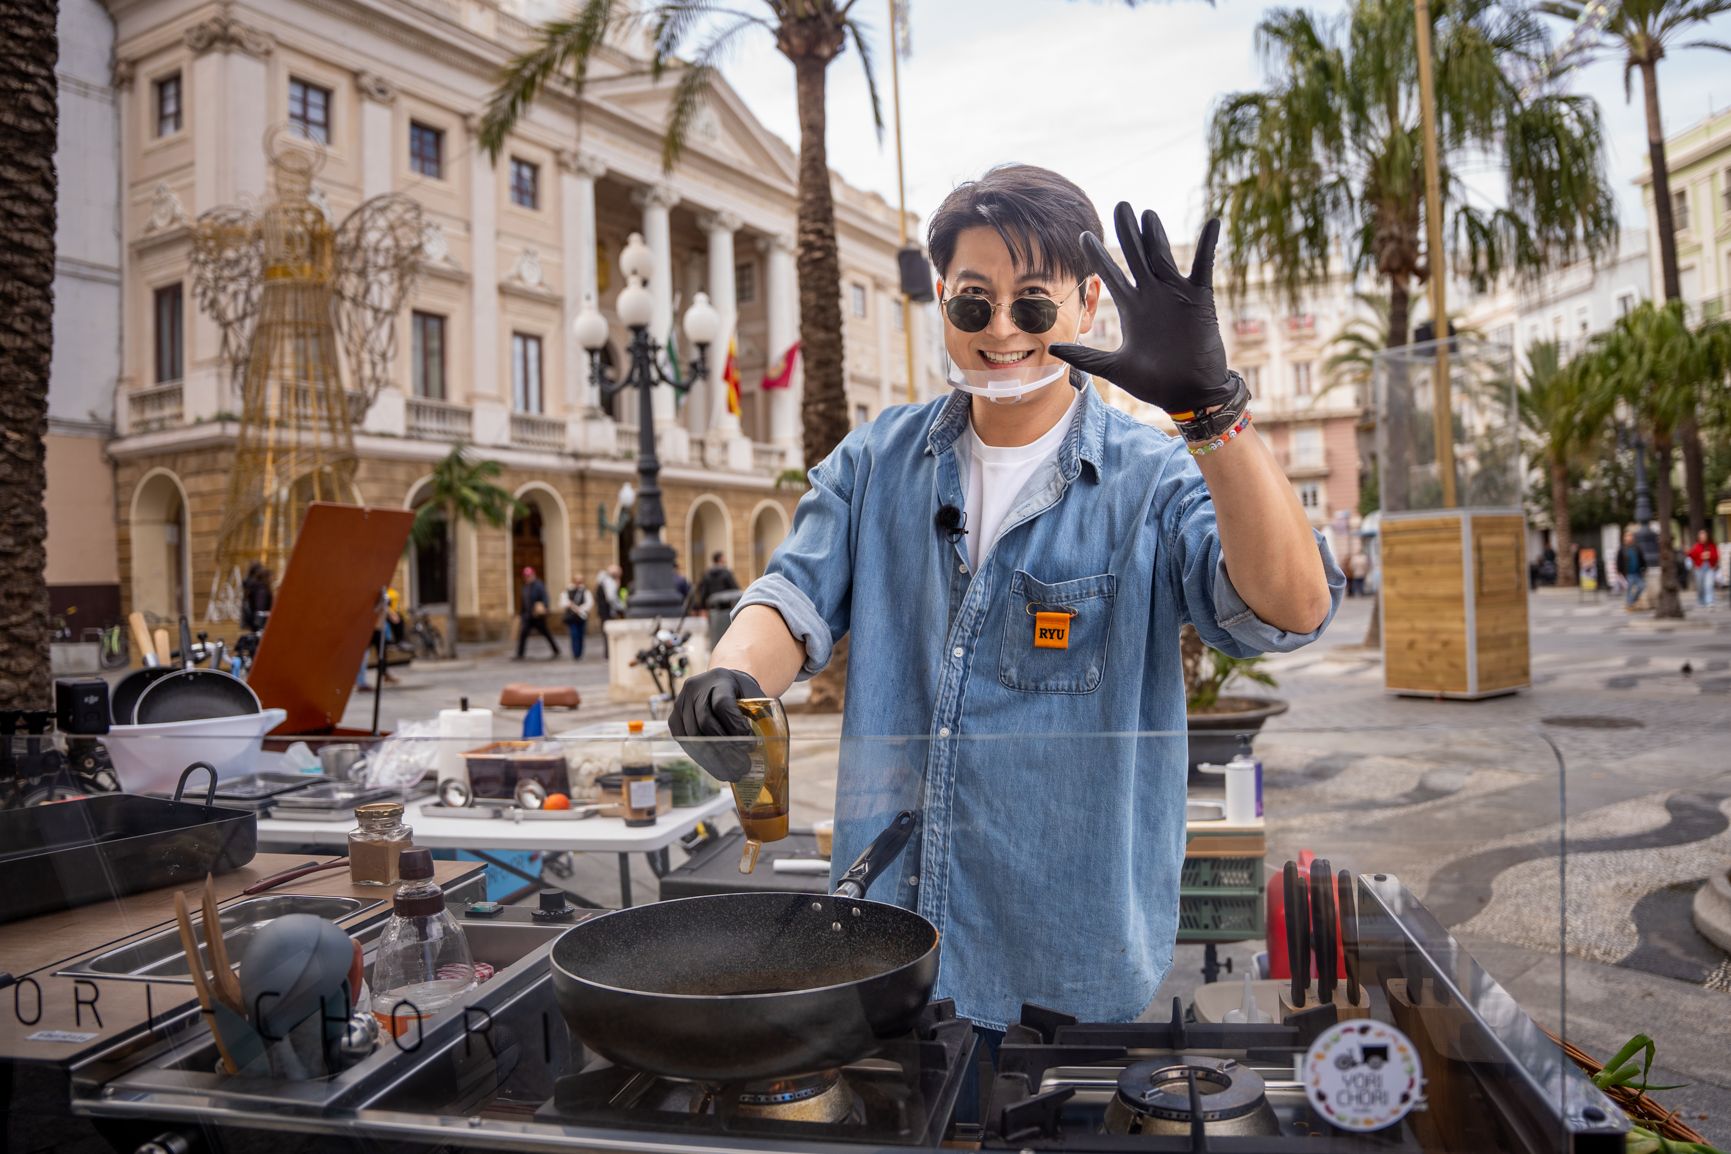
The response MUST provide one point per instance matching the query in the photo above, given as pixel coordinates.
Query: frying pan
(128, 689)
(744, 987)
(193, 694)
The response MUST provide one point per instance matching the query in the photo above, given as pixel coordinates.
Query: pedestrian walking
(1704, 559)
(718, 578)
(1357, 569)
(1632, 565)
(534, 613)
(576, 603)
(255, 597)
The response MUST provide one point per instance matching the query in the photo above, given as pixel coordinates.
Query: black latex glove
(708, 706)
(1171, 355)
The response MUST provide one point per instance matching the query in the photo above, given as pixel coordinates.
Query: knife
(1289, 888)
(1304, 937)
(1322, 901)
(1349, 934)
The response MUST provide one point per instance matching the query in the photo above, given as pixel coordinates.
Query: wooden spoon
(141, 640)
(200, 980)
(226, 985)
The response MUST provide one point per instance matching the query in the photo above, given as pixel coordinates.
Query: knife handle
(1289, 889)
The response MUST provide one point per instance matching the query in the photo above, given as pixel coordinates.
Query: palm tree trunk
(450, 581)
(1688, 432)
(29, 116)
(1668, 603)
(824, 410)
(1661, 180)
(1563, 535)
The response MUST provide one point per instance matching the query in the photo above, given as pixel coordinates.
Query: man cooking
(1013, 561)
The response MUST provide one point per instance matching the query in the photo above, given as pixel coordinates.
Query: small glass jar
(637, 778)
(377, 842)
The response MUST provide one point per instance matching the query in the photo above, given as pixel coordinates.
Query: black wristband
(1207, 426)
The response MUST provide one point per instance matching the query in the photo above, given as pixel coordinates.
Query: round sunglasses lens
(1034, 314)
(970, 314)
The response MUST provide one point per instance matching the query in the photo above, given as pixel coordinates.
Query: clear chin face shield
(1010, 384)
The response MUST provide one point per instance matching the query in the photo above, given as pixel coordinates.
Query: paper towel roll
(461, 730)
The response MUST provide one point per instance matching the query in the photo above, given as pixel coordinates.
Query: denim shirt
(1050, 782)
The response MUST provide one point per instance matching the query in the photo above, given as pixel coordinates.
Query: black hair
(1040, 215)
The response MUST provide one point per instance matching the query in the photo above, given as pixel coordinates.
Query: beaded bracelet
(1197, 450)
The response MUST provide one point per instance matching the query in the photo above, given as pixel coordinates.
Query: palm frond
(696, 79)
(865, 59)
(561, 47)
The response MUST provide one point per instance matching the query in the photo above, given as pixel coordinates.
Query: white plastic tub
(151, 758)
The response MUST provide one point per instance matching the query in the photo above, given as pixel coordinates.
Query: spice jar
(376, 843)
(637, 777)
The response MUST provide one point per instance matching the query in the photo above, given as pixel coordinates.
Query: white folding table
(545, 834)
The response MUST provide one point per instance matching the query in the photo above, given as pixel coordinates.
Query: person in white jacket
(576, 603)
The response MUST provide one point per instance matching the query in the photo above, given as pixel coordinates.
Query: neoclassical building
(390, 91)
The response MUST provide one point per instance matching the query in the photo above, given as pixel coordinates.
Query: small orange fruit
(557, 801)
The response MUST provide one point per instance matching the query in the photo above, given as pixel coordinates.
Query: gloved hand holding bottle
(708, 707)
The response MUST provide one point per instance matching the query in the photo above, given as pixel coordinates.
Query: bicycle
(114, 649)
(420, 638)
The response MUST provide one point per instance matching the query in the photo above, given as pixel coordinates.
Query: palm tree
(811, 34)
(1327, 160)
(461, 489)
(1565, 414)
(1642, 30)
(27, 188)
(1653, 361)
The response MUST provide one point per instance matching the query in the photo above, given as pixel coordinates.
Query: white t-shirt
(997, 474)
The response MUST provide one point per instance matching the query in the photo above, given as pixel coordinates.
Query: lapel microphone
(951, 521)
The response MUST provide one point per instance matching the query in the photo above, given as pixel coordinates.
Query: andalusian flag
(673, 357)
(730, 374)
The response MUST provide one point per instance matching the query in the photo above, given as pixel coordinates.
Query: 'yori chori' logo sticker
(1363, 1075)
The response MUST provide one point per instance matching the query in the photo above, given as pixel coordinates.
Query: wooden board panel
(1423, 607)
(1500, 594)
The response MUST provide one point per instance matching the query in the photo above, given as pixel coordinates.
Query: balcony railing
(1249, 332)
(768, 458)
(533, 431)
(1305, 462)
(430, 420)
(156, 407)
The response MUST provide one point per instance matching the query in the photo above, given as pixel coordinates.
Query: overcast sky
(1115, 98)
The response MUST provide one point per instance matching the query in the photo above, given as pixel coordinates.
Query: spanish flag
(730, 374)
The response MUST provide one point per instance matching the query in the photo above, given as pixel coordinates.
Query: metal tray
(332, 797)
(56, 857)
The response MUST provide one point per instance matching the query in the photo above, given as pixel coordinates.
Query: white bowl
(151, 758)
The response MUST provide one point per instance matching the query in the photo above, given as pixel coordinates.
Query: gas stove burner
(821, 1097)
(1154, 1098)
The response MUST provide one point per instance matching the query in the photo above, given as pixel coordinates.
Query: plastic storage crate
(1220, 917)
(1221, 873)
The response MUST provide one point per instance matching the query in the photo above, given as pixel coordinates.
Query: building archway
(428, 561)
(161, 547)
(540, 537)
(708, 530)
(769, 528)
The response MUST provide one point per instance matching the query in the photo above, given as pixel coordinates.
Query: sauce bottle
(637, 769)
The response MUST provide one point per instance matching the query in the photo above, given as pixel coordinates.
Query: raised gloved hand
(1171, 355)
(708, 706)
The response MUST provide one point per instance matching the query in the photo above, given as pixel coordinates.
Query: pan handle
(878, 856)
(210, 790)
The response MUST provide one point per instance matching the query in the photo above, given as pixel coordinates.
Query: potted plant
(1216, 720)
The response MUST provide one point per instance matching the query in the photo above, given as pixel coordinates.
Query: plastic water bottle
(423, 962)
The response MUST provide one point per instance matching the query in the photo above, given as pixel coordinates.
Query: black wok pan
(193, 694)
(745, 987)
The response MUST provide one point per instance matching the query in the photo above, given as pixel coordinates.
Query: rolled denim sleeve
(809, 581)
(1197, 569)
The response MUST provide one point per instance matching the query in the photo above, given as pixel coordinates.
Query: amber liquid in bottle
(761, 796)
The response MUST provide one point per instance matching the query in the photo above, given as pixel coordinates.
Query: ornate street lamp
(652, 589)
(1629, 436)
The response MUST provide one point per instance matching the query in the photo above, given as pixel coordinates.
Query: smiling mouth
(998, 359)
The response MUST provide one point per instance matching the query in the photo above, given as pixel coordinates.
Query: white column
(888, 353)
(782, 308)
(489, 395)
(376, 148)
(720, 229)
(578, 173)
(657, 202)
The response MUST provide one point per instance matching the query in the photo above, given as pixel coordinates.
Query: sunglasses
(971, 312)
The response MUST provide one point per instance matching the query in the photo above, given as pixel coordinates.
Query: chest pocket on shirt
(1075, 668)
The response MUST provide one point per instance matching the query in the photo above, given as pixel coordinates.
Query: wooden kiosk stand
(1454, 602)
(1452, 538)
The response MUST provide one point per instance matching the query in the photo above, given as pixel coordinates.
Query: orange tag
(1051, 631)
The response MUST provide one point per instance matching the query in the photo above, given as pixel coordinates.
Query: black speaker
(916, 274)
(81, 706)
